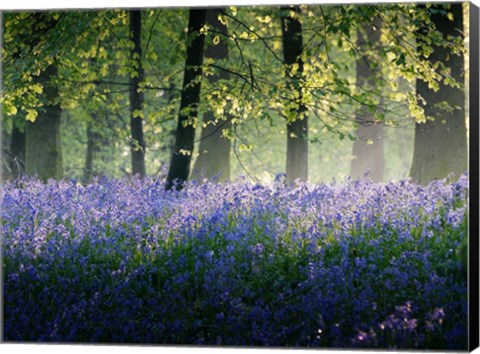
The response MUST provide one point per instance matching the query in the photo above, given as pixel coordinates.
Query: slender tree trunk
(297, 121)
(43, 152)
(368, 149)
(214, 149)
(190, 99)
(169, 141)
(17, 149)
(440, 146)
(92, 147)
(136, 97)
(171, 96)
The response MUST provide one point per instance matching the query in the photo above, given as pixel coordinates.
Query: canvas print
(280, 176)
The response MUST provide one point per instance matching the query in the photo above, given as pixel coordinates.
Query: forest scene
(283, 176)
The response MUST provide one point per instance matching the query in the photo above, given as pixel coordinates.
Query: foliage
(91, 49)
(333, 265)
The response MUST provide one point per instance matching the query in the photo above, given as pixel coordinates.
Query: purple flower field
(351, 264)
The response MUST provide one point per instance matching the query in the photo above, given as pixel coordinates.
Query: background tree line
(315, 91)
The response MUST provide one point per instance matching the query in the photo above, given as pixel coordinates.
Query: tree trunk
(43, 153)
(17, 150)
(440, 146)
(92, 147)
(171, 96)
(190, 99)
(297, 120)
(136, 97)
(368, 147)
(214, 150)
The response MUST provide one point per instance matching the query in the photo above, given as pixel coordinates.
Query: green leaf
(10, 109)
(31, 115)
(37, 88)
(245, 147)
(138, 114)
(401, 60)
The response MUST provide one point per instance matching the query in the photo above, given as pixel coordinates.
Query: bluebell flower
(371, 265)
